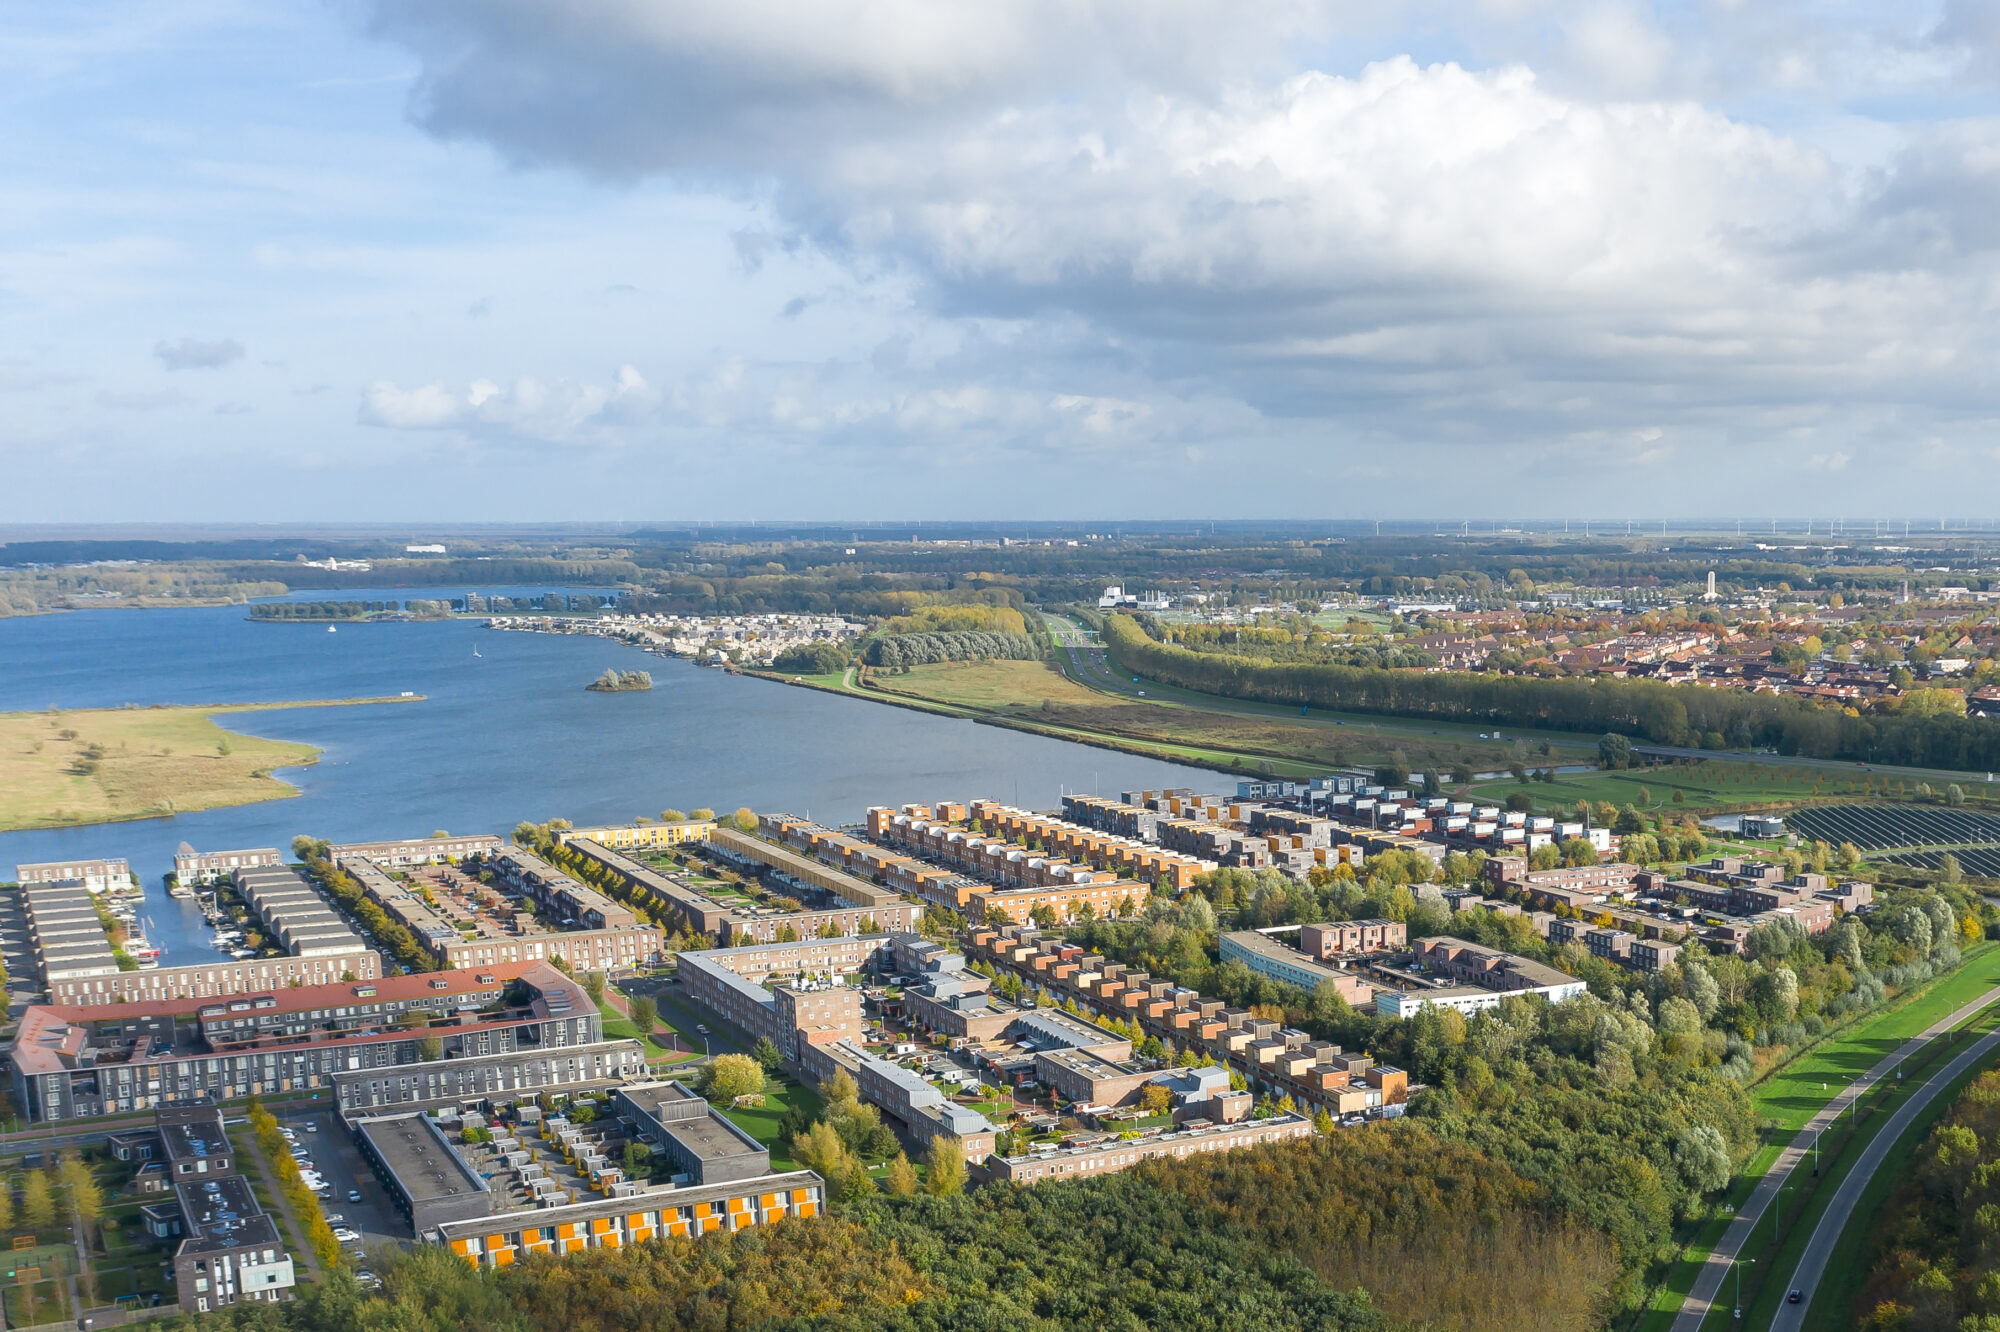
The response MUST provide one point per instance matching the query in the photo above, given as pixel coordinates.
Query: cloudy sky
(639, 259)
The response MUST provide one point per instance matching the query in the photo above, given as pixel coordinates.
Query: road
(1087, 663)
(1819, 1249)
(1708, 1282)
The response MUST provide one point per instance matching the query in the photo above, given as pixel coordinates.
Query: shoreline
(254, 785)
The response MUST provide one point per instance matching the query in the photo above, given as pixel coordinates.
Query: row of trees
(970, 645)
(315, 854)
(1661, 713)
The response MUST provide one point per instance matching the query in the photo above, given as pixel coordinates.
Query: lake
(505, 736)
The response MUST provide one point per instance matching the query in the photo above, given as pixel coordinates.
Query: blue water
(506, 736)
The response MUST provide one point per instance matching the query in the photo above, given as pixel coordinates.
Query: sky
(635, 260)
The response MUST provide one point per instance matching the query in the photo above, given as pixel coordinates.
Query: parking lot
(336, 1157)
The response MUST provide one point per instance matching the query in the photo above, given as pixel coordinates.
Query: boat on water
(333, 628)
(475, 652)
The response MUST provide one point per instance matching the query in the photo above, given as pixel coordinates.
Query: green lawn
(1791, 1095)
(44, 1302)
(1704, 787)
(761, 1122)
(618, 1027)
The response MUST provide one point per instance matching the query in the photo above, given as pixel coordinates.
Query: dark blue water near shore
(509, 735)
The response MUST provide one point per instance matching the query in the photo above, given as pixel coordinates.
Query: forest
(1937, 1259)
(1661, 713)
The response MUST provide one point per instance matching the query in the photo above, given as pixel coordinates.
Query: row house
(1261, 1049)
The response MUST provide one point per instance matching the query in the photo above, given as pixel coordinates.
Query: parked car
(311, 1127)
(344, 1235)
(367, 1278)
(354, 1195)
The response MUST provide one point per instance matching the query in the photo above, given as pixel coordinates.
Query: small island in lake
(617, 682)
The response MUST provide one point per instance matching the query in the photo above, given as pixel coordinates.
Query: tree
(745, 819)
(6, 1205)
(1949, 870)
(945, 1167)
(702, 814)
(37, 1204)
(223, 749)
(901, 1181)
(729, 1076)
(673, 816)
(820, 1150)
(430, 1049)
(1155, 1099)
(767, 1055)
(593, 985)
(645, 1013)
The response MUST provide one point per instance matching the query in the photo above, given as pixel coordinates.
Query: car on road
(335, 1218)
(701, 1029)
(1795, 1297)
(354, 1195)
(311, 1127)
(344, 1235)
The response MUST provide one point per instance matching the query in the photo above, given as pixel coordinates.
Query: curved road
(1819, 1249)
(1715, 1270)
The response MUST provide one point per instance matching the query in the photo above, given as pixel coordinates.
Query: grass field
(1038, 695)
(1705, 788)
(104, 765)
(761, 1122)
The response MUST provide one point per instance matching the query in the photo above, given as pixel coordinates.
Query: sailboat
(333, 628)
(475, 652)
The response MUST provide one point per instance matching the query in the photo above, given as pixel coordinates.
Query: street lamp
(1738, 1265)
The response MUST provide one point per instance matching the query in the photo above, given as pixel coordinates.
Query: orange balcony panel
(801, 1195)
(804, 1209)
(709, 1223)
(767, 1199)
(496, 1242)
(461, 1247)
(610, 1239)
(572, 1245)
(600, 1224)
(677, 1229)
(503, 1257)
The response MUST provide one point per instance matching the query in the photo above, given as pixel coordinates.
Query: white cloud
(195, 354)
(527, 409)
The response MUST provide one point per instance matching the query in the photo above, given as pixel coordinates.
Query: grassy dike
(1788, 1096)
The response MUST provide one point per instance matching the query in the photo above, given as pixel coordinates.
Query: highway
(1715, 1270)
(1819, 1249)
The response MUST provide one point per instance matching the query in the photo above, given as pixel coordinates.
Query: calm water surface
(509, 735)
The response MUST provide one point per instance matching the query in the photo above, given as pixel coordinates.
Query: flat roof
(705, 1134)
(221, 1214)
(540, 1217)
(192, 1132)
(425, 1164)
